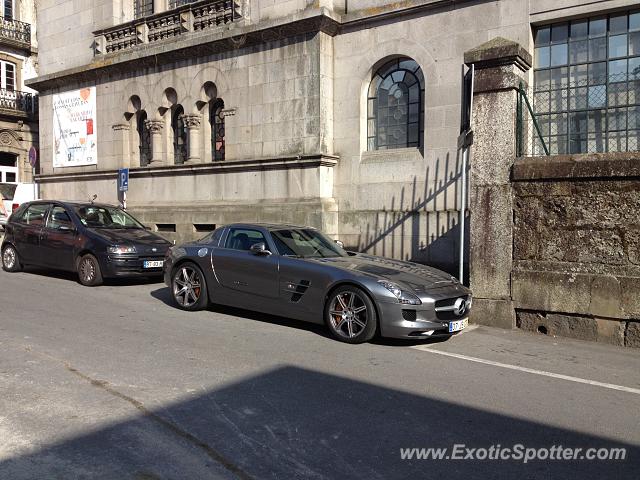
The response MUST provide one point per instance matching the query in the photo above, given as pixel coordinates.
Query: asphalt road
(114, 382)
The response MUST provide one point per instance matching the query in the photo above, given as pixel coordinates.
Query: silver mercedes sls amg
(300, 273)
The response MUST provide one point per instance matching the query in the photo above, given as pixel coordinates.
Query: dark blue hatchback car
(95, 240)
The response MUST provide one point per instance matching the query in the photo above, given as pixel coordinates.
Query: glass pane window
(143, 8)
(216, 120)
(8, 75)
(179, 129)
(179, 3)
(7, 9)
(395, 111)
(587, 83)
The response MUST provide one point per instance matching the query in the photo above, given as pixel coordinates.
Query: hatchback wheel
(89, 271)
(350, 315)
(10, 260)
(189, 288)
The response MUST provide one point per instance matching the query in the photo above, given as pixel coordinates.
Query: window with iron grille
(144, 138)
(143, 8)
(216, 119)
(587, 84)
(179, 135)
(395, 106)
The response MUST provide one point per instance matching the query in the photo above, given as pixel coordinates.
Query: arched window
(216, 120)
(395, 106)
(144, 138)
(179, 135)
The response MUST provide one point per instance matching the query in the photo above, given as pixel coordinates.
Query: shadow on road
(294, 423)
(72, 276)
(164, 295)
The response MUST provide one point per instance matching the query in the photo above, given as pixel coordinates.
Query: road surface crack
(175, 429)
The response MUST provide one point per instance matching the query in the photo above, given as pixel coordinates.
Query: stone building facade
(18, 104)
(341, 115)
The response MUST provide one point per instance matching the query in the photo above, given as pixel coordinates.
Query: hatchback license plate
(153, 263)
(458, 325)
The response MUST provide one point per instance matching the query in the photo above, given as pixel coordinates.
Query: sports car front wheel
(350, 315)
(189, 288)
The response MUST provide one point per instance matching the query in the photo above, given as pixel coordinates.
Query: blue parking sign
(123, 180)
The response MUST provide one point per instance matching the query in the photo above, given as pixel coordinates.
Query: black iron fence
(15, 30)
(14, 101)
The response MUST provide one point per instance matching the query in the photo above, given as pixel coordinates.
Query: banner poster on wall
(75, 141)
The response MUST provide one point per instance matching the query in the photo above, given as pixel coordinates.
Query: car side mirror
(339, 243)
(259, 249)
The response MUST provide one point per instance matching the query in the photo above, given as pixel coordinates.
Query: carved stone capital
(192, 121)
(228, 112)
(154, 126)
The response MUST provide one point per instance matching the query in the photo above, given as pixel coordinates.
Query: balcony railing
(15, 32)
(192, 17)
(21, 104)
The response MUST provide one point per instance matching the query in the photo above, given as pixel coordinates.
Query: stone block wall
(576, 247)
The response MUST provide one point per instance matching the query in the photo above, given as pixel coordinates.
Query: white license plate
(153, 263)
(458, 325)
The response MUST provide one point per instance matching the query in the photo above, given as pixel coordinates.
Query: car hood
(414, 276)
(135, 236)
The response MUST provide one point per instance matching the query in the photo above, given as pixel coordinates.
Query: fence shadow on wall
(423, 225)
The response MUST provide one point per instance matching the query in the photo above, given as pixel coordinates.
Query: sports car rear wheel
(189, 287)
(350, 315)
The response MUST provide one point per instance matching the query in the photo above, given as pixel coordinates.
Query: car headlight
(403, 296)
(121, 249)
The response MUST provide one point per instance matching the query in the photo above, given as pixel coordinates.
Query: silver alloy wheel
(187, 286)
(87, 270)
(9, 258)
(348, 314)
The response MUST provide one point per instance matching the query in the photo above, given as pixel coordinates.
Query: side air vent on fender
(297, 289)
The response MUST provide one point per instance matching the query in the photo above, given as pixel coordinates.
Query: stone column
(160, 6)
(157, 150)
(121, 143)
(500, 65)
(192, 123)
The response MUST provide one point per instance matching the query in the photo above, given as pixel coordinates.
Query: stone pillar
(160, 6)
(157, 150)
(192, 123)
(500, 65)
(121, 143)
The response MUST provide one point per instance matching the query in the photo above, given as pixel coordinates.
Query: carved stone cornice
(153, 56)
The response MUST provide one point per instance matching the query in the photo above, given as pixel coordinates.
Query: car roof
(268, 226)
(73, 203)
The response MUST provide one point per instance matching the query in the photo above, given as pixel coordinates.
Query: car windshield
(305, 243)
(106, 217)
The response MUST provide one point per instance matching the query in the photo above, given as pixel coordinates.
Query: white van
(14, 195)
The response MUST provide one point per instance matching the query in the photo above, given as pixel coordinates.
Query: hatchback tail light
(14, 207)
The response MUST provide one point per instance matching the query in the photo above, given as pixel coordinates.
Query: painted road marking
(611, 386)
